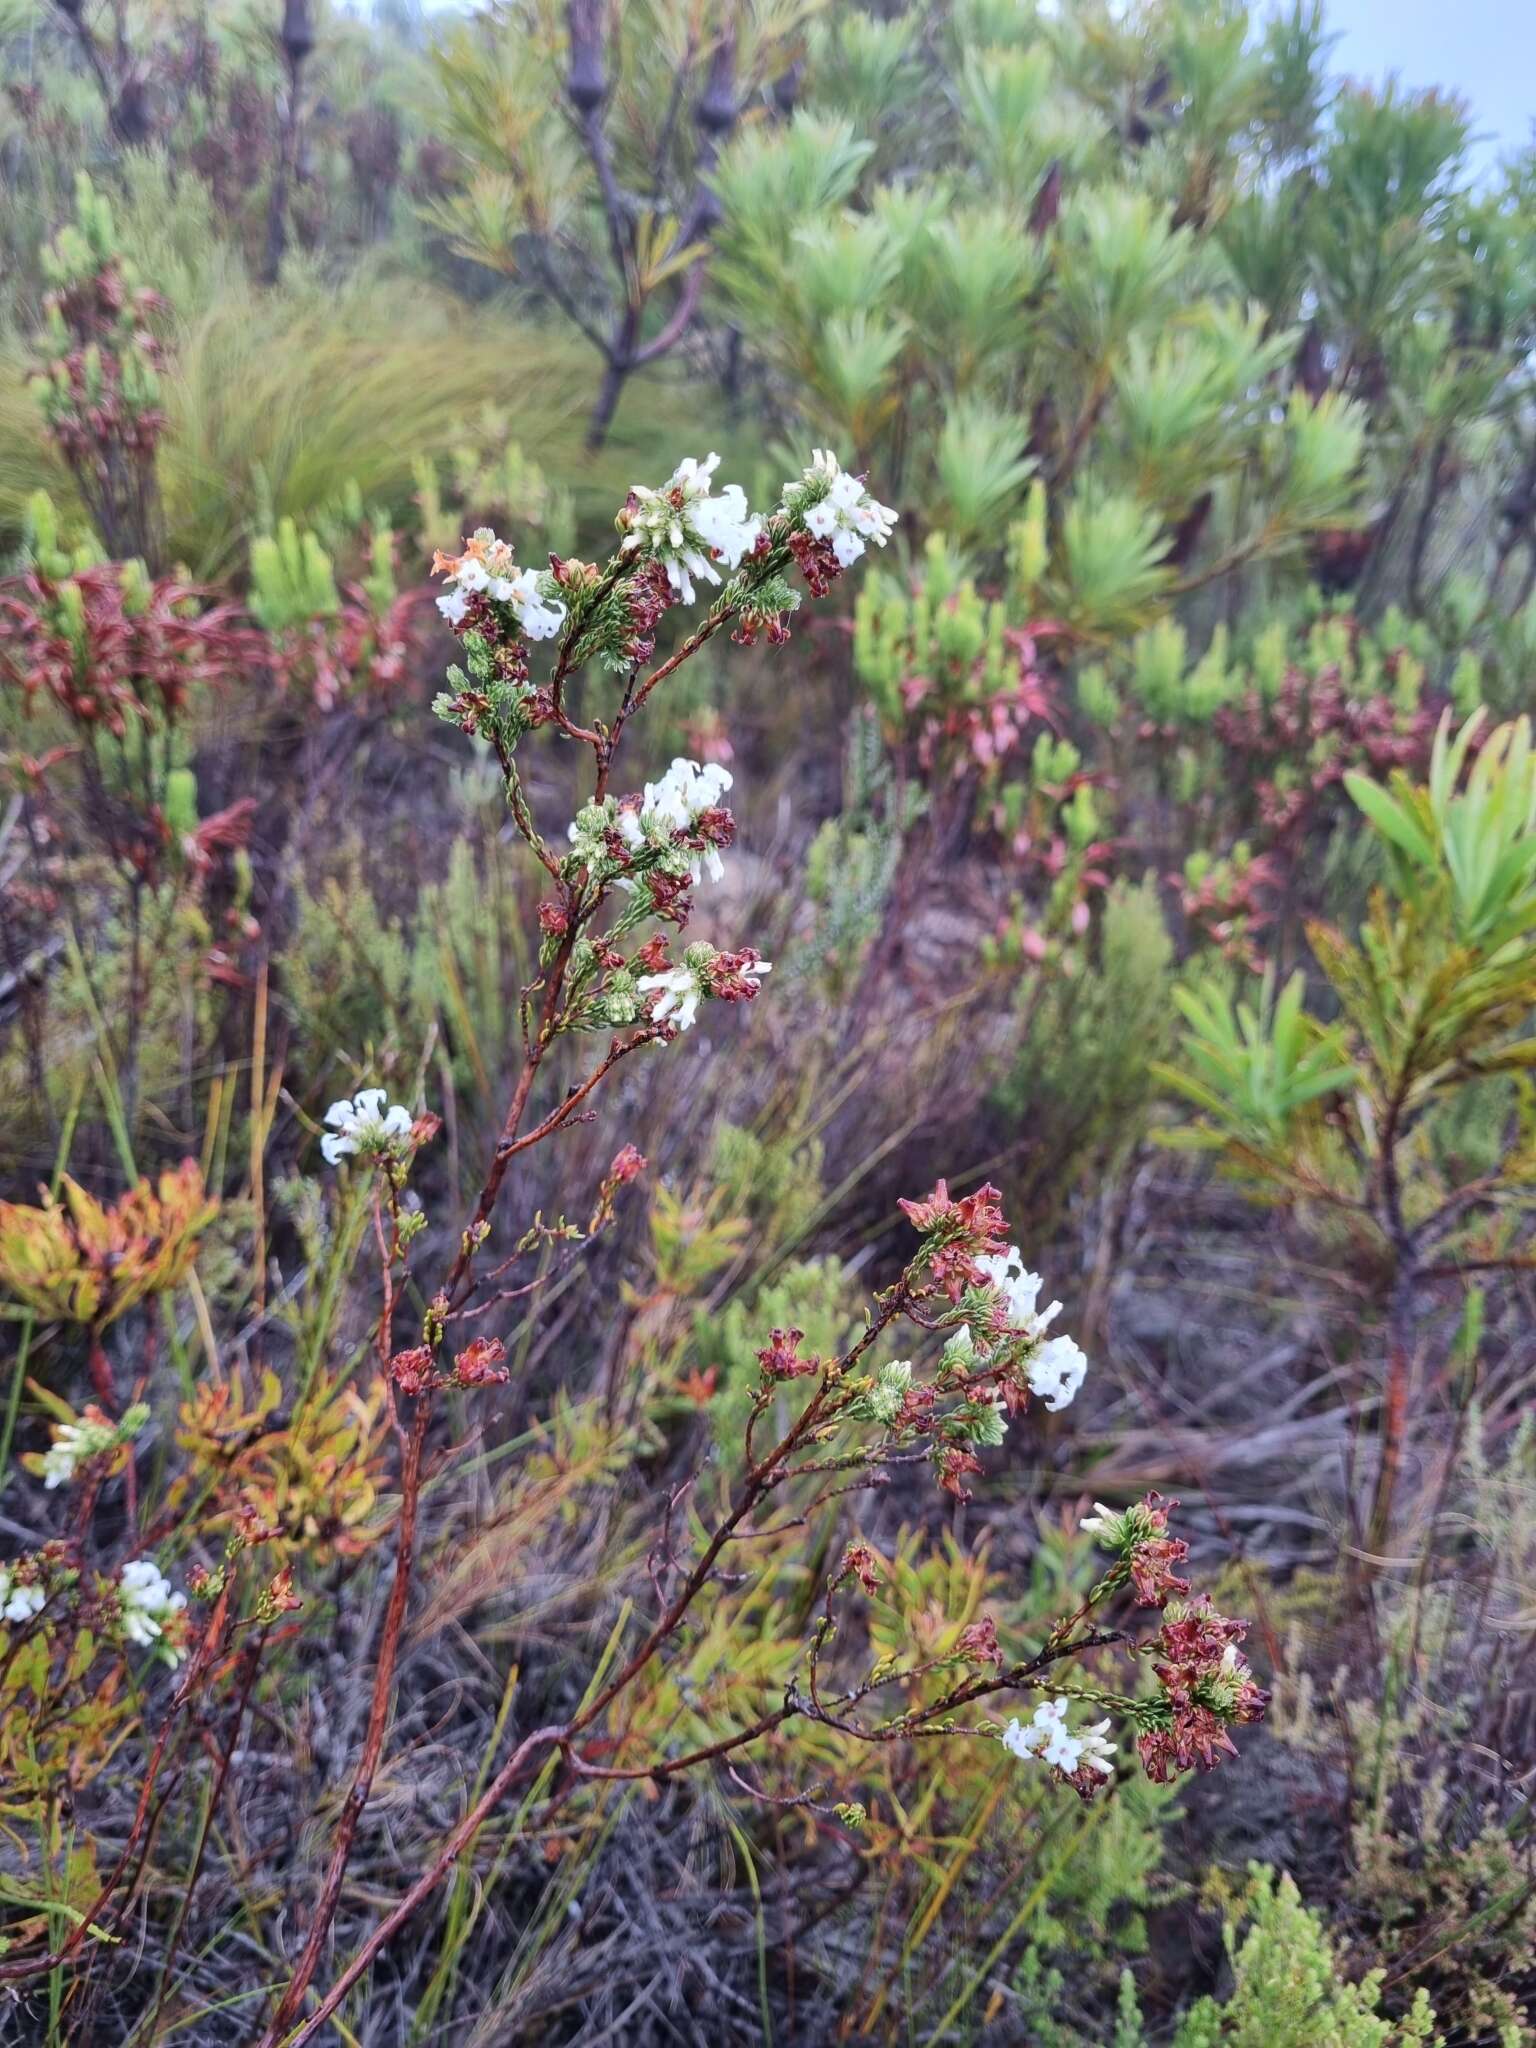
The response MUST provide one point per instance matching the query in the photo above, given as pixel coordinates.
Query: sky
(1485, 50)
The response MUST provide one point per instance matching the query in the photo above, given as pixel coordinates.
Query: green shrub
(1288, 1991)
(1080, 1087)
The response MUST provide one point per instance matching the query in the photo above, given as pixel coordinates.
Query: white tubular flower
(1044, 1736)
(64, 1454)
(147, 1603)
(1020, 1291)
(540, 617)
(1020, 1739)
(687, 528)
(1048, 1737)
(728, 523)
(840, 510)
(1056, 1372)
(19, 1603)
(1057, 1369)
(675, 804)
(1098, 1753)
(487, 566)
(73, 1442)
(364, 1125)
(679, 997)
(1062, 1751)
(684, 793)
(1104, 1523)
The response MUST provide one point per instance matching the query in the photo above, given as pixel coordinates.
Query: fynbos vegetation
(556, 1010)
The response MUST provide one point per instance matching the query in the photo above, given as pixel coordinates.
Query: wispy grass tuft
(277, 400)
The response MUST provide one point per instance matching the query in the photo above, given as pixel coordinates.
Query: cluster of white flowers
(843, 512)
(147, 1603)
(364, 1125)
(1048, 1737)
(18, 1603)
(679, 995)
(1059, 1367)
(675, 804)
(687, 527)
(72, 1443)
(680, 990)
(487, 565)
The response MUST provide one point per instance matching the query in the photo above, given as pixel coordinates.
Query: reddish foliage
(411, 1370)
(356, 653)
(955, 1466)
(1314, 727)
(126, 660)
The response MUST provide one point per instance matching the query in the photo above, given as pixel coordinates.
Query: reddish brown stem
(373, 1741)
(101, 1372)
(457, 1288)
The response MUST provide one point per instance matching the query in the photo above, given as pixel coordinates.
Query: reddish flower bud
(780, 1357)
(670, 897)
(713, 827)
(916, 1410)
(253, 1529)
(860, 1562)
(411, 1370)
(979, 1644)
(480, 1363)
(966, 1230)
(735, 977)
(278, 1597)
(955, 1465)
(817, 560)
